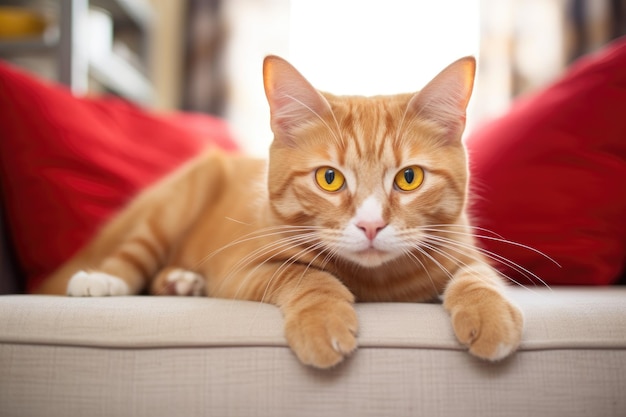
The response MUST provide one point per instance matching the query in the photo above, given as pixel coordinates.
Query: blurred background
(206, 55)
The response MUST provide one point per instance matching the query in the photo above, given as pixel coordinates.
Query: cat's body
(363, 199)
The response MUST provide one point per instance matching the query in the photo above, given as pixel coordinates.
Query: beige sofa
(178, 356)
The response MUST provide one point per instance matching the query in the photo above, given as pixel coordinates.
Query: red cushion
(551, 174)
(68, 163)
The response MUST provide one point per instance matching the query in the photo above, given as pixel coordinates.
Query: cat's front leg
(320, 320)
(482, 317)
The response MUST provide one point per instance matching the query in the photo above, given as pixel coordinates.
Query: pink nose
(371, 228)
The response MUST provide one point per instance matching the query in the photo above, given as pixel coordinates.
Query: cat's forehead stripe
(390, 130)
(370, 126)
(347, 124)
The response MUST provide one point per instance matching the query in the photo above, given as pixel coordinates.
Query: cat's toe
(96, 284)
(502, 334)
(492, 328)
(324, 337)
(183, 282)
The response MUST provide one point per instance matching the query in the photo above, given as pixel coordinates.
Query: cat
(363, 199)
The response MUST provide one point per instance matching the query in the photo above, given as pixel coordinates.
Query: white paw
(186, 282)
(96, 284)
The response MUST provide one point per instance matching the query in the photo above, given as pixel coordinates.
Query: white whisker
(414, 259)
(435, 261)
(464, 226)
(237, 221)
(438, 237)
(263, 251)
(279, 247)
(526, 273)
(259, 234)
(457, 261)
(293, 259)
(509, 242)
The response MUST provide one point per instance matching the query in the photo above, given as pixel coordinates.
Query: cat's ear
(444, 99)
(293, 100)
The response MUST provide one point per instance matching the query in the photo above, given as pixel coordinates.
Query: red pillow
(551, 174)
(67, 163)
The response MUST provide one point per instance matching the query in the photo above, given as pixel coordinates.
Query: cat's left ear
(293, 100)
(444, 99)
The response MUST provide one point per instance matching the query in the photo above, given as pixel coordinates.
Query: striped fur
(235, 227)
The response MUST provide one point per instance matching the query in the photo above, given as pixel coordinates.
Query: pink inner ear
(444, 99)
(293, 100)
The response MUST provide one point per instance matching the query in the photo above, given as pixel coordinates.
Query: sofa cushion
(164, 356)
(69, 163)
(551, 174)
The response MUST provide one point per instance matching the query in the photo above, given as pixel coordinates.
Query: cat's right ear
(293, 100)
(444, 99)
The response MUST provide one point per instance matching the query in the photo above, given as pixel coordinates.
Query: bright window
(380, 47)
(359, 47)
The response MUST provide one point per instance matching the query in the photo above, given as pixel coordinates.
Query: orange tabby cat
(363, 199)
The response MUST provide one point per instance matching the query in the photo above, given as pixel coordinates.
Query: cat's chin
(370, 258)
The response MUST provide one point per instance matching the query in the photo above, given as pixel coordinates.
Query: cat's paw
(183, 282)
(96, 284)
(324, 334)
(178, 281)
(489, 324)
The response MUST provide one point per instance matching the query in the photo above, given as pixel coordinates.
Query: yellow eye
(409, 178)
(329, 179)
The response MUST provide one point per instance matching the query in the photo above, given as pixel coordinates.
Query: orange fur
(269, 232)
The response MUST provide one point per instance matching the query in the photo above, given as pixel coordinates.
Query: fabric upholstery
(163, 356)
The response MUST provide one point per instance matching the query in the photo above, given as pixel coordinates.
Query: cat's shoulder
(214, 156)
(216, 162)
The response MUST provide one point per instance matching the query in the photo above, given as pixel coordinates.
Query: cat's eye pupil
(329, 176)
(409, 175)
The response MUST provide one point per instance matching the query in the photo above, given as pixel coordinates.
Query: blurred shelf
(119, 76)
(76, 64)
(30, 45)
(138, 11)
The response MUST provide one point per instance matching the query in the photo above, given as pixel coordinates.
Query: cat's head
(367, 175)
